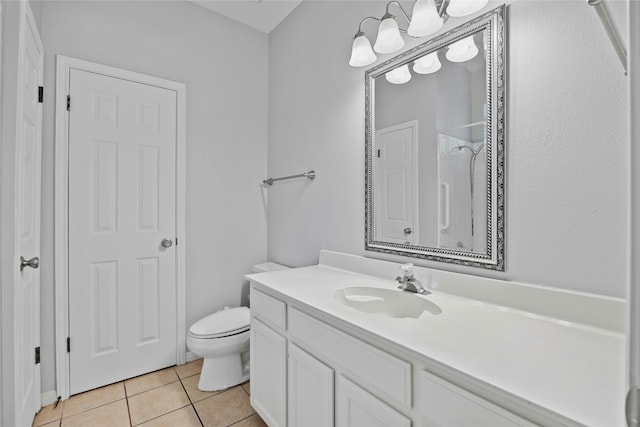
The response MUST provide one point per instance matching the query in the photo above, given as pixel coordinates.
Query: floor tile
(159, 401)
(92, 399)
(48, 414)
(189, 369)
(225, 408)
(184, 417)
(252, 421)
(150, 381)
(191, 386)
(53, 424)
(112, 415)
(247, 387)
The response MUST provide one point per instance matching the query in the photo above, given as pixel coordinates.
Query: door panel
(122, 281)
(397, 183)
(27, 202)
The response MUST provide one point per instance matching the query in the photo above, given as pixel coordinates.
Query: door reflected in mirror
(435, 139)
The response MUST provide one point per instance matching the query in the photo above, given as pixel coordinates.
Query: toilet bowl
(222, 340)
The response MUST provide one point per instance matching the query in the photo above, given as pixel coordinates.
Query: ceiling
(263, 15)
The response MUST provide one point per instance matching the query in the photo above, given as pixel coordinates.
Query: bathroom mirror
(435, 148)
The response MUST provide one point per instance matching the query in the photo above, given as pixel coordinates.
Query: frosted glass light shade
(361, 52)
(389, 39)
(462, 50)
(458, 8)
(399, 75)
(425, 19)
(427, 64)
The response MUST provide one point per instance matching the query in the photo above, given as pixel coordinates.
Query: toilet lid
(223, 323)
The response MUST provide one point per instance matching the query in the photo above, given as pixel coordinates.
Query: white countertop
(574, 370)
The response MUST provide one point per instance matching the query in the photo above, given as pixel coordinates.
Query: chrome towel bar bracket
(310, 175)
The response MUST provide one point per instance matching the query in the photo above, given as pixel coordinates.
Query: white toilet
(222, 340)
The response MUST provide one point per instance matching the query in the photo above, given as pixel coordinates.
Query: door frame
(64, 65)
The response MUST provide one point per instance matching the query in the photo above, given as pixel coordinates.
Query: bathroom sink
(386, 302)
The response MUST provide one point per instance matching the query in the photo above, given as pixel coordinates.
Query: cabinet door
(310, 390)
(357, 408)
(268, 374)
(448, 405)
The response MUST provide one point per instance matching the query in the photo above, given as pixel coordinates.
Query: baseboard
(190, 357)
(48, 398)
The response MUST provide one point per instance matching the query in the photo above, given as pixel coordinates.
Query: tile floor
(165, 398)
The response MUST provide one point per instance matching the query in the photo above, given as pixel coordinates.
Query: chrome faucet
(408, 281)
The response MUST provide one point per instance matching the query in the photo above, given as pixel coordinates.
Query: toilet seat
(224, 323)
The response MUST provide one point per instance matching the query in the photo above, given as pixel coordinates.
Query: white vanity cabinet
(307, 373)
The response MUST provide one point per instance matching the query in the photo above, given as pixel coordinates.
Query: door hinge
(176, 241)
(68, 102)
(37, 355)
(378, 153)
(68, 345)
(40, 93)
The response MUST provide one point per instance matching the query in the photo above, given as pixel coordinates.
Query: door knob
(166, 243)
(407, 230)
(33, 262)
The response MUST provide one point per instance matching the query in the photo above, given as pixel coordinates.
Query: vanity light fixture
(361, 52)
(427, 64)
(398, 75)
(462, 50)
(425, 19)
(389, 39)
(428, 17)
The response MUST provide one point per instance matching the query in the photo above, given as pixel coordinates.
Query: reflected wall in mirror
(435, 148)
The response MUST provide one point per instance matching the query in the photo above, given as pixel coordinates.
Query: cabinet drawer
(368, 365)
(449, 405)
(268, 308)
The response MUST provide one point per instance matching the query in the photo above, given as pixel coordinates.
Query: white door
(396, 181)
(310, 390)
(27, 202)
(122, 227)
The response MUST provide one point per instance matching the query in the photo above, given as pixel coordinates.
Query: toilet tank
(268, 266)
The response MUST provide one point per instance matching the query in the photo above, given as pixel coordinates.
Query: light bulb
(462, 50)
(398, 75)
(459, 8)
(425, 19)
(389, 39)
(361, 52)
(427, 64)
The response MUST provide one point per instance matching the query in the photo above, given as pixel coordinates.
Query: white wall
(224, 65)
(566, 200)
